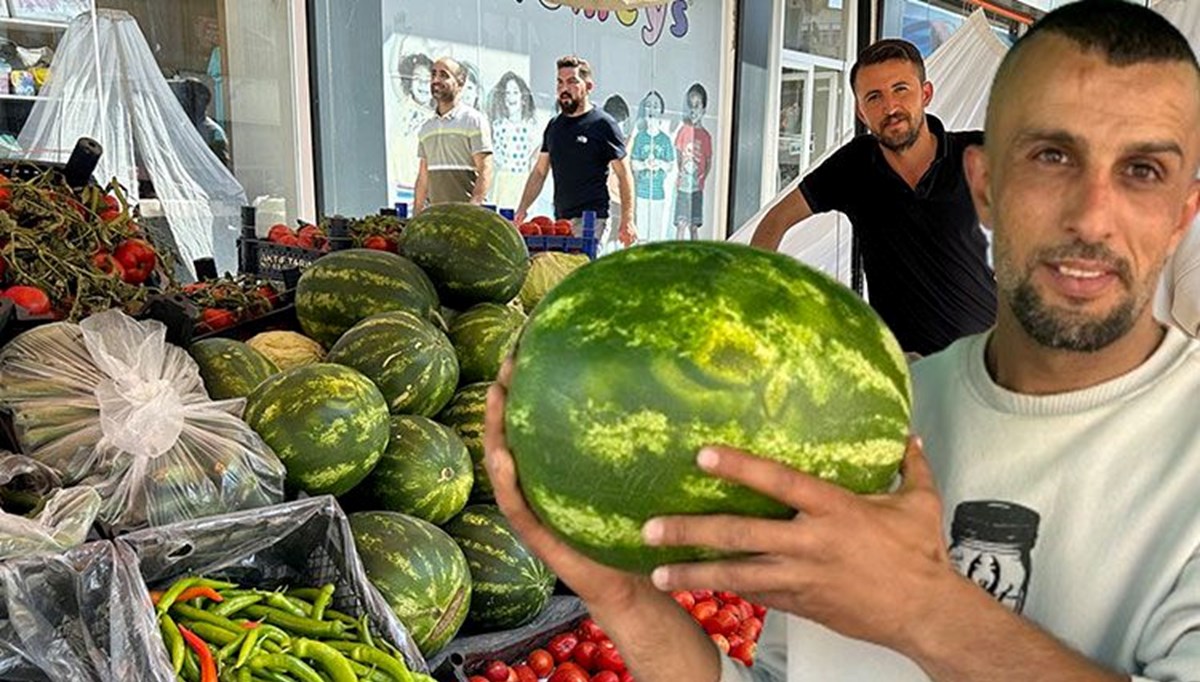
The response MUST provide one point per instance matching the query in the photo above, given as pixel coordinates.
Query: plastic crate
(586, 244)
(269, 260)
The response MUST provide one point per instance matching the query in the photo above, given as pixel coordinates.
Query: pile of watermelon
(378, 399)
(586, 654)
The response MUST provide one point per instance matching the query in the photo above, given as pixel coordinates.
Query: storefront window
(815, 27)
(655, 70)
(928, 24)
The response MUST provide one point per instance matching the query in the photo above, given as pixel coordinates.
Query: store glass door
(795, 124)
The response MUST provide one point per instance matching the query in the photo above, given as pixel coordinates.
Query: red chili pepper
(208, 667)
(200, 591)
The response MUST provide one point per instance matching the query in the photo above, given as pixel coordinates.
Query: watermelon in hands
(639, 359)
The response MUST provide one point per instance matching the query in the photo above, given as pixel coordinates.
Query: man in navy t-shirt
(581, 145)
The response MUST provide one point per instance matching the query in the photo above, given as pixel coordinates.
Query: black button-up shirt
(924, 253)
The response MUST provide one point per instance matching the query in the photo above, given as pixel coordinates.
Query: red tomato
(104, 262)
(626, 676)
(760, 611)
(606, 676)
(727, 597)
(542, 221)
(477, 678)
(529, 229)
(585, 655)
(217, 318)
(525, 673)
(497, 671)
(750, 628)
(591, 631)
(5, 198)
(562, 227)
(541, 662)
(701, 595)
(562, 645)
(380, 243)
(725, 620)
(138, 258)
(288, 240)
(569, 672)
(744, 652)
(610, 659)
(32, 299)
(111, 210)
(685, 599)
(721, 642)
(268, 292)
(734, 640)
(704, 610)
(277, 231)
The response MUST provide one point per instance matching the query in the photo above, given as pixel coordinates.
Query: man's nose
(1089, 206)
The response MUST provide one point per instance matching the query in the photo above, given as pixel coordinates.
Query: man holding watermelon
(903, 188)
(1049, 530)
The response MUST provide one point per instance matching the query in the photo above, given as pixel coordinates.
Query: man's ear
(926, 94)
(978, 180)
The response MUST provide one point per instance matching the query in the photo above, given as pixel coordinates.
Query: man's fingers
(493, 419)
(504, 376)
(793, 488)
(745, 575)
(725, 532)
(915, 469)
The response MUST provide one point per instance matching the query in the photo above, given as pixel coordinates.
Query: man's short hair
(888, 50)
(573, 62)
(456, 69)
(1122, 32)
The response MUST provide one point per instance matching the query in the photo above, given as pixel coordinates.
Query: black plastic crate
(269, 260)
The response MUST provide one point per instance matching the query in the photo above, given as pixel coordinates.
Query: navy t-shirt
(924, 253)
(580, 148)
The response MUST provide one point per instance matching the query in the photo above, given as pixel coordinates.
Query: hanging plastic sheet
(107, 86)
(961, 71)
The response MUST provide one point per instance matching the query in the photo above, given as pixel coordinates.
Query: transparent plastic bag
(63, 523)
(25, 483)
(468, 655)
(109, 403)
(306, 543)
(82, 615)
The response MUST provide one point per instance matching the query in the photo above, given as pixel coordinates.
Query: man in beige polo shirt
(455, 146)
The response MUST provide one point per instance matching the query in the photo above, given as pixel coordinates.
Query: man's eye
(1144, 171)
(1055, 156)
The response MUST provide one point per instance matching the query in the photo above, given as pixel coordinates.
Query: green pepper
(167, 600)
(174, 642)
(374, 657)
(249, 646)
(281, 602)
(192, 613)
(296, 625)
(330, 659)
(290, 664)
(233, 604)
(322, 602)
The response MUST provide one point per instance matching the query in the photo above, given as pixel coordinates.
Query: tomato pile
(307, 237)
(65, 254)
(586, 654)
(546, 227)
(225, 302)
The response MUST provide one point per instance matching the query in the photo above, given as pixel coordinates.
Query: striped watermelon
(327, 423)
(409, 359)
(338, 290)
(464, 414)
(425, 472)
(640, 358)
(420, 571)
(230, 369)
(483, 336)
(509, 585)
(472, 254)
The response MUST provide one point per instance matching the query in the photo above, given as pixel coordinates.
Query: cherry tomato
(569, 672)
(561, 646)
(104, 262)
(379, 242)
(606, 676)
(720, 641)
(685, 599)
(585, 655)
(32, 299)
(477, 678)
(524, 673)
(590, 631)
(704, 610)
(610, 659)
(744, 652)
(541, 662)
(496, 671)
(277, 231)
(217, 318)
(111, 210)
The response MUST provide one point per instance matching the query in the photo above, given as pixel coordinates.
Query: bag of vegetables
(109, 403)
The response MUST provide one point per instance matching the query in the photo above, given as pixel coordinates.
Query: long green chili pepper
(233, 604)
(364, 631)
(279, 601)
(290, 664)
(330, 659)
(191, 669)
(174, 642)
(168, 598)
(192, 613)
(322, 602)
(300, 626)
(372, 656)
(305, 593)
(249, 646)
(227, 650)
(338, 615)
(211, 633)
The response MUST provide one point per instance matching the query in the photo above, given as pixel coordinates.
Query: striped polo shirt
(448, 144)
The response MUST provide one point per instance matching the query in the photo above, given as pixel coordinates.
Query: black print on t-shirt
(991, 543)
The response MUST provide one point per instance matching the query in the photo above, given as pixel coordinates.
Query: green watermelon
(425, 472)
(230, 369)
(408, 358)
(464, 414)
(509, 585)
(472, 254)
(483, 336)
(338, 290)
(420, 572)
(327, 423)
(631, 365)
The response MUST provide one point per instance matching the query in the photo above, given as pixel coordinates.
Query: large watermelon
(640, 358)
(425, 472)
(410, 360)
(420, 571)
(472, 254)
(327, 423)
(340, 289)
(509, 585)
(483, 336)
(464, 414)
(230, 369)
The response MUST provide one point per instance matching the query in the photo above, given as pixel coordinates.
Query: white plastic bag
(109, 403)
(64, 517)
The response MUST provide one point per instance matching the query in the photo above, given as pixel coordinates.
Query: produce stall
(286, 462)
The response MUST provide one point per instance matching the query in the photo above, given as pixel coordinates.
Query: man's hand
(595, 583)
(627, 233)
(868, 566)
(519, 217)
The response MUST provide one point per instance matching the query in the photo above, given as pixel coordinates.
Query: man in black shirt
(903, 188)
(581, 145)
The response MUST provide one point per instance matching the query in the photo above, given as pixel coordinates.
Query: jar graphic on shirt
(991, 542)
